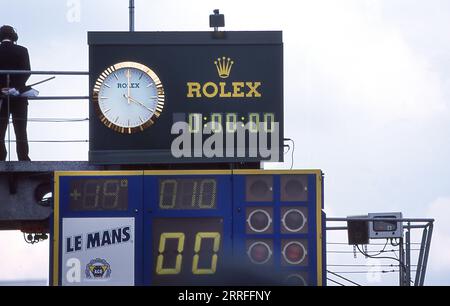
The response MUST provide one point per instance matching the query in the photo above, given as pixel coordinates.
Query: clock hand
(128, 86)
(140, 103)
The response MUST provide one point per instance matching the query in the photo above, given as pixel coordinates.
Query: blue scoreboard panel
(242, 227)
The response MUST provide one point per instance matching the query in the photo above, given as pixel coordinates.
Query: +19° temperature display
(98, 195)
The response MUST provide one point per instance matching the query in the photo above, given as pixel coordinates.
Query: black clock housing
(237, 77)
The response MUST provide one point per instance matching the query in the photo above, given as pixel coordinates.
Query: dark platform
(46, 166)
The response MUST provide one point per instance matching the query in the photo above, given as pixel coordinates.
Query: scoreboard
(206, 227)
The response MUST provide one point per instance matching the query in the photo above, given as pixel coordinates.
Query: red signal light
(259, 252)
(294, 252)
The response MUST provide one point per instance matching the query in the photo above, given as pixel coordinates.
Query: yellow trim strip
(262, 172)
(55, 237)
(95, 173)
(187, 172)
(319, 227)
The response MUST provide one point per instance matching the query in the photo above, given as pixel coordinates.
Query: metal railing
(7, 99)
(404, 250)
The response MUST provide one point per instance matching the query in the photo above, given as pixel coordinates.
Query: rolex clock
(155, 95)
(128, 97)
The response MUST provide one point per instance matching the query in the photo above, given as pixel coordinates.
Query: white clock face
(129, 97)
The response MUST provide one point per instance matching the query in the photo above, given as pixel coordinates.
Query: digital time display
(185, 249)
(188, 193)
(98, 195)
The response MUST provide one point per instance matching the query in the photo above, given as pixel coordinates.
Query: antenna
(131, 8)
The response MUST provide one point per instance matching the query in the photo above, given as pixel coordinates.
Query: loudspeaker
(358, 232)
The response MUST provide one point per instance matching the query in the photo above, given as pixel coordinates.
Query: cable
(26, 240)
(52, 120)
(292, 157)
(392, 258)
(289, 148)
(380, 252)
(351, 252)
(344, 243)
(357, 265)
(32, 238)
(369, 271)
(336, 282)
(48, 120)
(396, 244)
(51, 141)
(381, 257)
(340, 276)
(292, 152)
(376, 257)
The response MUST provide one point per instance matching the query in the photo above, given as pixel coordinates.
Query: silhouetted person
(13, 57)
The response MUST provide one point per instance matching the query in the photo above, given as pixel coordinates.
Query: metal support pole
(425, 258)
(420, 260)
(131, 8)
(408, 257)
(8, 101)
(402, 264)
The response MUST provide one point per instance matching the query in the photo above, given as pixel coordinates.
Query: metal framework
(6, 99)
(404, 246)
(24, 184)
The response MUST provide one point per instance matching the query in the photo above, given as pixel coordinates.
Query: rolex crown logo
(224, 66)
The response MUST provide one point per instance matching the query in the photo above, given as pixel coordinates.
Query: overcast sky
(367, 85)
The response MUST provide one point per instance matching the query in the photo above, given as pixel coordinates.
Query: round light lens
(259, 252)
(295, 280)
(293, 220)
(294, 189)
(294, 252)
(259, 220)
(259, 188)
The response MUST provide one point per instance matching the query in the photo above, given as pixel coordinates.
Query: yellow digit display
(162, 247)
(111, 193)
(216, 120)
(163, 199)
(253, 118)
(195, 123)
(269, 120)
(194, 194)
(212, 198)
(186, 250)
(231, 122)
(198, 244)
(91, 193)
(188, 193)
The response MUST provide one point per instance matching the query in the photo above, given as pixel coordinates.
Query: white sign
(98, 251)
